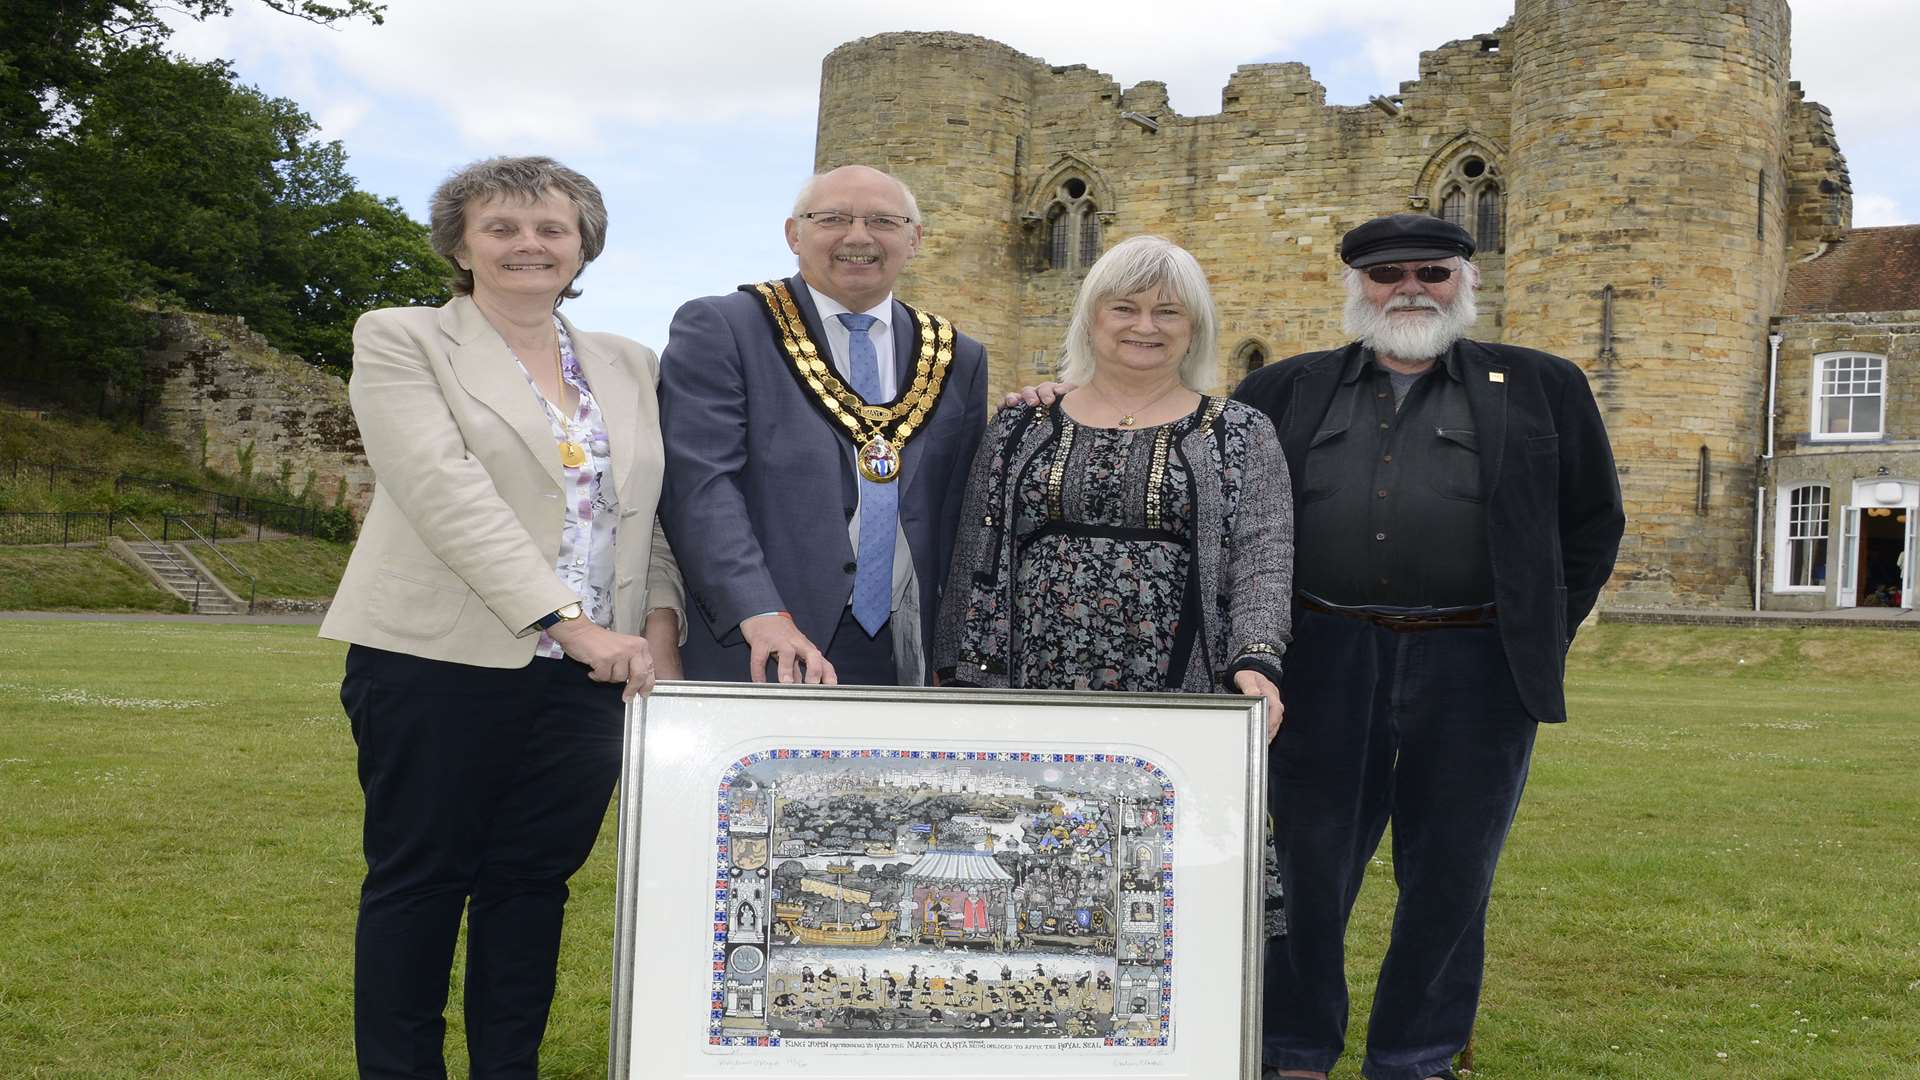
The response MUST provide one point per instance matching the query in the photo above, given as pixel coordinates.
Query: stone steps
(179, 577)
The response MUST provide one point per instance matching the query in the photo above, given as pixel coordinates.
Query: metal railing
(253, 584)
(236, 513)
(193, 604)
(61, 527)
(262, 514)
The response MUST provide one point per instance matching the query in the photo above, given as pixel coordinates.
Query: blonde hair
(1135, 265)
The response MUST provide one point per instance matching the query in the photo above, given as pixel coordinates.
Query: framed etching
(875, 882)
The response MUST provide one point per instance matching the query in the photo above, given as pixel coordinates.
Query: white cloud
(1875, 209)
(707, 109)
(566, 71)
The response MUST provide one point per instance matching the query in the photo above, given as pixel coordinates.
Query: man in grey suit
(818, 435)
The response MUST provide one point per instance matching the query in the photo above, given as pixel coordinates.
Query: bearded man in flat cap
(1456, 512)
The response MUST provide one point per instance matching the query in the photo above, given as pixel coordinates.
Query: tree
(129, 177)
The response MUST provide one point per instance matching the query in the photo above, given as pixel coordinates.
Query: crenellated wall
(1656, 166)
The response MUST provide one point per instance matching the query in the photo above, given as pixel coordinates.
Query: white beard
(1411, 338)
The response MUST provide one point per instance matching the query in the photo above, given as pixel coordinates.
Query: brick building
(1644, 182)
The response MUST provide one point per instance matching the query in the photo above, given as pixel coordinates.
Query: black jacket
(1552, 496)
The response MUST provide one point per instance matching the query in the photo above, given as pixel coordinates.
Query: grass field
(84, 578)
(76, 579)
(1714, 873)
(288, 569)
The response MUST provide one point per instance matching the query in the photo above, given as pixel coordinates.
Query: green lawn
(88, 579)
(1717, 857)
(75, 579)
(288, 569)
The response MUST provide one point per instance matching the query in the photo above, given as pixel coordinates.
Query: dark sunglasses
(1392, 275)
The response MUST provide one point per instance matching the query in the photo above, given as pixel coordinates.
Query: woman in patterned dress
(509, 589)
(1137, 534)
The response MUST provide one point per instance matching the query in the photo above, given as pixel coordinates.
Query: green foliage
(130, 177)
(243, 459)
(109, 451)
(334, 523)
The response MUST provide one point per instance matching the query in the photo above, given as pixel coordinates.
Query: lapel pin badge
(1496, 376)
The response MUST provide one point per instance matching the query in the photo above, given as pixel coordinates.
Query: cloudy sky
(697, 119)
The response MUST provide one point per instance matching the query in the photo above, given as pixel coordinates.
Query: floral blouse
(585, 562)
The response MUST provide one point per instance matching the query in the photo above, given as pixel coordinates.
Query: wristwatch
(564, 613)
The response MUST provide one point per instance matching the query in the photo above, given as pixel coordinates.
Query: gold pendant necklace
(572, 454)
(1128, 416)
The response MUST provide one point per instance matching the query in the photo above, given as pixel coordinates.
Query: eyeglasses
(1393, 275)
(835, 220)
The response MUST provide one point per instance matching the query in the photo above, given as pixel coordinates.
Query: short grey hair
(524, 179)
(1141, 264)
(805, 195)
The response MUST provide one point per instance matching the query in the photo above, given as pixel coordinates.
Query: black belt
(1410, 622)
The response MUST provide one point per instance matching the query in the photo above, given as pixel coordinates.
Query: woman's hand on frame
(610, 657)
(1254, 684)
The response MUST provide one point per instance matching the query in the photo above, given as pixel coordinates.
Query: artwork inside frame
(863, 882)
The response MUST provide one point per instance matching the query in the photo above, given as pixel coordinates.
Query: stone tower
(1648, 164)
(1637, 175)
(948, 114)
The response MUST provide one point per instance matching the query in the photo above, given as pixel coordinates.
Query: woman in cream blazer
(510, 588)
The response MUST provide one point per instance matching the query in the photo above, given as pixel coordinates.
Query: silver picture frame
(719, 896)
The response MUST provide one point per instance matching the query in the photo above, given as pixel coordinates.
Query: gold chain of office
(878, 431)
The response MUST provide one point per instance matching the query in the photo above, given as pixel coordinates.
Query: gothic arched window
(1488, 228)
(1471, 194)
(1249, 357)
(1057, 249)
(1073, 226)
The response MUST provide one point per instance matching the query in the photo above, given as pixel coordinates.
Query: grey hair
(805, 195)
(521, 179)
(1135, 265)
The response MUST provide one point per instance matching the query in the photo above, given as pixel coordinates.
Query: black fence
(80, 527)
(218, 514)
(227, 510)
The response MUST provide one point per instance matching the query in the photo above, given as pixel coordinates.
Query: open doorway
(1883, 557)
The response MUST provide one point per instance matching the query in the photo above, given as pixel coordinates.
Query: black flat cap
(1401, 237)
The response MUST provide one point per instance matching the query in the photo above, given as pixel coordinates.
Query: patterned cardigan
(1241, 543)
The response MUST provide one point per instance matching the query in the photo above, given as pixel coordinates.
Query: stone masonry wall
(214, 375)
(1260, 191)
(1819, 188)
(1654, 147)
(1892, 334)
(1641, 168)
(1838, 465)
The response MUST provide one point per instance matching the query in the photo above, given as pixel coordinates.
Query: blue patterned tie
(879, 503)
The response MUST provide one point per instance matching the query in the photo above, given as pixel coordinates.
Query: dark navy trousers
(485, 789)
(1422, 728)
